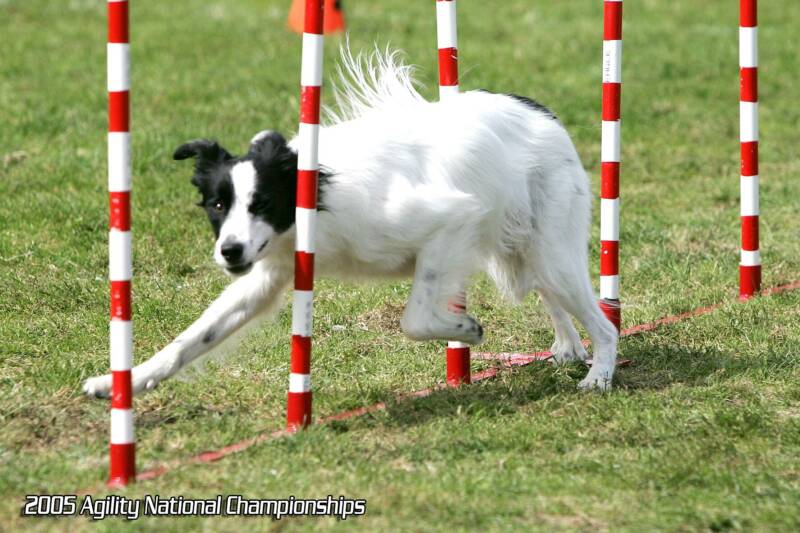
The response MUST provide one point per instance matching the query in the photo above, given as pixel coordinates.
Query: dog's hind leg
(567, 346)
(435, 309)
(569, 286)
(255, 294)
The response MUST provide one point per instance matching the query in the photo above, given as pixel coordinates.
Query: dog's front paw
(568, 352)
(597, 379)
(454, 327)
(98, 387)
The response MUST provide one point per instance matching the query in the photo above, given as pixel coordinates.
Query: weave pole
(458, 357)
(298, 404)
(447, 39)
(122, 448)
(610, 161)
(750, 264)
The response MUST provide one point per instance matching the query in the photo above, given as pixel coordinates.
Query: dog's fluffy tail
(375, 80)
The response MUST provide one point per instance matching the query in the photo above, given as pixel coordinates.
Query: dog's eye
(219, 207)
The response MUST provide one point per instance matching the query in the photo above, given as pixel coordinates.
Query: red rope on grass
(505, 360)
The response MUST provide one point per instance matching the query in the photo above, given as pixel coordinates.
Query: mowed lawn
(701, 433)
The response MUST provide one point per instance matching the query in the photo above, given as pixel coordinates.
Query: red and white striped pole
(447, 39)
(610, 161)
(298, 407)
(750, 264)
(122, 448)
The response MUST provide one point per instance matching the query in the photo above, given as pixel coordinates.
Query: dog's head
(249, 199)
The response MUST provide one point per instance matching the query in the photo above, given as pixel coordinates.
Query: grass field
(701, 433)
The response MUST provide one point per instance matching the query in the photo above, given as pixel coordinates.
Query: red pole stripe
(301, 355)
(313, 17)
(613, 312)
(750, 233)
(749, 158)
(609, 180)
(118, 111)
(612, 21)
(448, 66)
(609, 258)
(119, 210)
(611, 101)
(458, 362)
(121, 300)
(303, 271)
(309, 105)
(123, 464)
(748, 79)
(307, 188)
(749, 280)
(117, 22)
(121, 389)
(748, 13)
(298, 410)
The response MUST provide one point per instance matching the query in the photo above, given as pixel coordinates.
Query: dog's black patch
(209, 336)
(530, 102)
(276, 186)
(212, 165)
(533, 104)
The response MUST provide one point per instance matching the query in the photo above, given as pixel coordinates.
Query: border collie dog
(434, 191)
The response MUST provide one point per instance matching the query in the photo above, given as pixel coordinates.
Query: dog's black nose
(232, 251)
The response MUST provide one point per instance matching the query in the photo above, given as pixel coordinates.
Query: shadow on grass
(656, 367)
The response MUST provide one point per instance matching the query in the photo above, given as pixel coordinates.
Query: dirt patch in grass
(385, 318)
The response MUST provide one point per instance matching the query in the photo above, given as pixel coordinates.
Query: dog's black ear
(267, 142)
(206, 151)
(273, 157)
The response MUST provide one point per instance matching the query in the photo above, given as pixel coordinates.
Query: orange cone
(334, 16)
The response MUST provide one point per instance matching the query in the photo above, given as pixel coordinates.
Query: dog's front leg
(255, 294)
(436, 306)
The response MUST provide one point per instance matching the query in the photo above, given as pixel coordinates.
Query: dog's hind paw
(98, 387)
(597, 379)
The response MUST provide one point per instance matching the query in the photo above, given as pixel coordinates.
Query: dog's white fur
(437, 191)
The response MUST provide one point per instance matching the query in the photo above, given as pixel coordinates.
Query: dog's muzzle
(239, 270)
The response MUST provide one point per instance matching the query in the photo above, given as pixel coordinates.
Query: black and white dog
(436, 191)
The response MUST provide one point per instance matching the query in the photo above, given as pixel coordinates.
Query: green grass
(703, 432)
